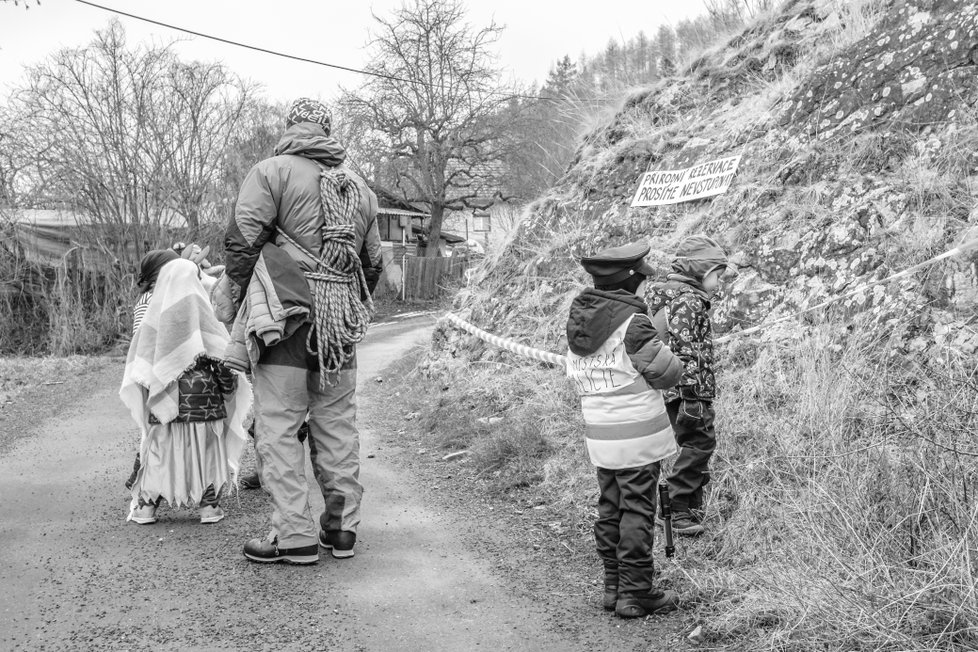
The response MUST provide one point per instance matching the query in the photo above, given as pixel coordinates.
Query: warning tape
(509, 345)
(971, 244)
(561, 360)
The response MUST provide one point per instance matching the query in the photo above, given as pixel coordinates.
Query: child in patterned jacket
(680, 308)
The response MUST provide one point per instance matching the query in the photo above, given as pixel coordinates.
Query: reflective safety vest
(627, 423)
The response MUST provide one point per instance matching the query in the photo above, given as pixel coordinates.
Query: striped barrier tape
(509, 345)
(971, 244)
(560, 360)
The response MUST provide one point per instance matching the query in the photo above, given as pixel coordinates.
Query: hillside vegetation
(842, 511)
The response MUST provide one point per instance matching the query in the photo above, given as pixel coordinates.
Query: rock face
(860, 158)
(915, 68)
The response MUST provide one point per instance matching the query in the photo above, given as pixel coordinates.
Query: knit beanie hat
(305, 109)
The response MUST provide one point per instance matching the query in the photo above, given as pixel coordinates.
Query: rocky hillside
(841, 511)
(857, 126)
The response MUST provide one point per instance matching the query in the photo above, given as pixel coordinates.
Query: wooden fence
(426, 278)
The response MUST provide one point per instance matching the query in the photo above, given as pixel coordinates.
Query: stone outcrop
(915, 68)
(859, 139)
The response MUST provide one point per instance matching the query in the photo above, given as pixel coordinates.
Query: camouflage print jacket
(690, 334)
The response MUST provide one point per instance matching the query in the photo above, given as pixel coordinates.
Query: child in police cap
(680, 308)
(619, 365)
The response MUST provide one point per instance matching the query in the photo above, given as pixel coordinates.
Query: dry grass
(493, 411)
(20, 374)
(843, 503)
(842, 512)
(857, 19)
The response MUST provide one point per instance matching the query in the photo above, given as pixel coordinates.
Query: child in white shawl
(188, 406)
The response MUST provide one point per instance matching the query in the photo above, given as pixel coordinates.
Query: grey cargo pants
(283, 397)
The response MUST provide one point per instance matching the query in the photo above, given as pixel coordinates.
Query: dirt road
(76, 576)
(430, 572)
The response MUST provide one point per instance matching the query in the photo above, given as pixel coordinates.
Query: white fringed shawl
(179, 327)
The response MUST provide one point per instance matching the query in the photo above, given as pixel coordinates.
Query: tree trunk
(434, 230)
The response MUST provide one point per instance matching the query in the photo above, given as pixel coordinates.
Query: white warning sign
(662, 187)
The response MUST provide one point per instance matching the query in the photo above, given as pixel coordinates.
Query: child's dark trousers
(692, 421)
(623, 531)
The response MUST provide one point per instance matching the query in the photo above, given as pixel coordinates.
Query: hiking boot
(251, 481)
(211, 514)
(268, 552)
(144, 514)
(339, 542)
(683, 523)
(610, 598)
(632, 605)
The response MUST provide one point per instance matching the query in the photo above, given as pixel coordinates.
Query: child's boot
(610, 589)
(635, 605)
(683, 523)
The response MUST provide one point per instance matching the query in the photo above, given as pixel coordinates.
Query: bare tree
(435, 107)
(128, 136)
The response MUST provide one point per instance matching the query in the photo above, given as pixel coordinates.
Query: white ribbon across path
(561, 360)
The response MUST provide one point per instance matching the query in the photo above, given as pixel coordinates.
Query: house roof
(47, 237)
(387, 199)
(450, 238)
(386, 210)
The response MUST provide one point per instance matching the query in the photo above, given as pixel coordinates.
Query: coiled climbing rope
(340, 314)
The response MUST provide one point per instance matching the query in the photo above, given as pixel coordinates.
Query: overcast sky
(537, 33)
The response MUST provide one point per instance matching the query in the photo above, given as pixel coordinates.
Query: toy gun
(665, 508)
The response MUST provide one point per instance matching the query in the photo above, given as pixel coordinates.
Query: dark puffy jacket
(282, 193)
(202, 391)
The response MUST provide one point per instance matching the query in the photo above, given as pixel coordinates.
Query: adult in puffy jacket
(680, 307)
(619, 366)
(279, 202)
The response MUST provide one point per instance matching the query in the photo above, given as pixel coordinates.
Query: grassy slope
(842, 512)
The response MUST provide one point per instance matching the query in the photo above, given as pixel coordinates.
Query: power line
(291, 56)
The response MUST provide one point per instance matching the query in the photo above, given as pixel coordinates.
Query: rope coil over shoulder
(340, 317)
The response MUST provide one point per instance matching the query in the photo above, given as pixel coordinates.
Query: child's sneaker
(654, 602)
(209, 514)
(683, 523)
(144, 514)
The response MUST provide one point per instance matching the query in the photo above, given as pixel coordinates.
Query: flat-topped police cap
(614, 265)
